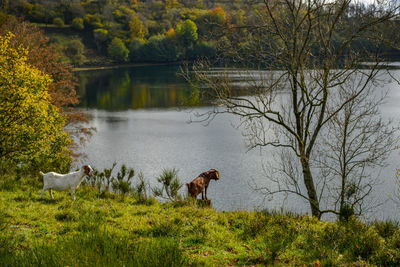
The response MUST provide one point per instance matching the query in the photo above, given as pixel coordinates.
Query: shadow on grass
(48, 201)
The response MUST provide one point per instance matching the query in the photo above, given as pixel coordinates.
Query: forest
(122, 31)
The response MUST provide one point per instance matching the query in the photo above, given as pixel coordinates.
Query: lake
(135, 111)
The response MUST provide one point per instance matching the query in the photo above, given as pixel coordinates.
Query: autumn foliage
(170, 33)
(31, 127)
(218, 15)
(45, 57)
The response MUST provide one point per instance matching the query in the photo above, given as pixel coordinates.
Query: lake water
(135, 111)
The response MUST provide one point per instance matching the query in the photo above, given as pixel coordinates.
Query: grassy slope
(113, 230)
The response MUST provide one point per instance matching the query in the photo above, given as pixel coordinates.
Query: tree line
(126, 31)
(95, 32)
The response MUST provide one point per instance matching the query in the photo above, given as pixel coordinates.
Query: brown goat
(201, 183)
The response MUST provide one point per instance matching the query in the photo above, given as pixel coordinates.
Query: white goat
(59, 182)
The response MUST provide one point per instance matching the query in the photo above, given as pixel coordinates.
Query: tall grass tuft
(141, 191)
(170, 185)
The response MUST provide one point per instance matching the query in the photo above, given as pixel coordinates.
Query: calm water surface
(135, 113)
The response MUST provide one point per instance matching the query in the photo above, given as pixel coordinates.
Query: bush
(159, 49)
(122, 184)
(100, 35)
(58, 22)
(186, 32)
(135, 50)
(77, 24)
(93, 21)
(101, 179)
(141, 191)
(31, 128)
(169, 184)
(117, 50)
(74, 50)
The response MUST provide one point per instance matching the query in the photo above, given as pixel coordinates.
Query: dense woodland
(117, 31)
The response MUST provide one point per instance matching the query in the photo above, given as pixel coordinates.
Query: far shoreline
(117, 66)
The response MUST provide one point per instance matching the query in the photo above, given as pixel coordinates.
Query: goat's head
(213, 174)
(88, 170)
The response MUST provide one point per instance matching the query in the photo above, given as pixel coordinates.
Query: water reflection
(149, 140)
(133, 88)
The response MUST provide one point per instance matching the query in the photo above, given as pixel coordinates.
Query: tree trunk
(309, 183)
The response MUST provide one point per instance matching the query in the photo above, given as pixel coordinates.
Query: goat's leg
(51, 193)
(73, 193)
(44, 189)
(202, 196)
(206, 192)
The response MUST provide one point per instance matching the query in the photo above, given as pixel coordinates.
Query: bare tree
(349, 154)
(356, 141)
(318, 47)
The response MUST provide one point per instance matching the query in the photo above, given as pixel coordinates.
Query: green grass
(108, 230)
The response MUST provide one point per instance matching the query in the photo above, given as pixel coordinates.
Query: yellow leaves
(218, 14)
(136, 28)
(29, 123)
(9, 54)
(171, 4)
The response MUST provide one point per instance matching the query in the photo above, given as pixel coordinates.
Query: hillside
(111, 230)
(109, 32)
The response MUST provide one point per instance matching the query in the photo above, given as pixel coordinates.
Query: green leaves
(187, 32)
(117, 50)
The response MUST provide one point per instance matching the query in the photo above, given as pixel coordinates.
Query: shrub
(107, 175)
(31, 128)
(93, 20)
(136, 28)
(101, 179)
(169, 184)
(122, 184)
(77, 23)
(47, 58)
(187, 32)
(159, 49)
(74, 50)
(135, 49)
(117, 50)
(141, 191)
(58, 22)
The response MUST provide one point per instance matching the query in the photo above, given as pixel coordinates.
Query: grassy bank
(111, 230)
